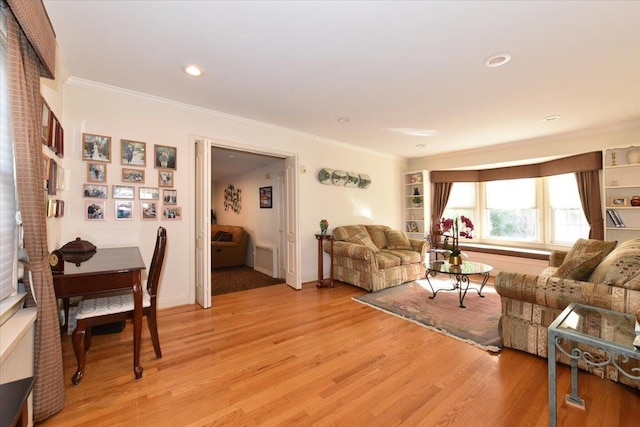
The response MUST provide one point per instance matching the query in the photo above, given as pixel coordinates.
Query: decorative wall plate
(352, 179)
(324, 176)
(365, 181)
(339, 178)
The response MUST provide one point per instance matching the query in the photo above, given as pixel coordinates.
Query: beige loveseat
(375, 257)
(228, 245)
(593, 272)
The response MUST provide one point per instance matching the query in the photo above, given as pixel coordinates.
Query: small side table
(322, 283)
(14, 397)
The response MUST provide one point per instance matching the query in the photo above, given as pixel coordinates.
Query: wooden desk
(106, 271)
(14, 395)
(321, 282)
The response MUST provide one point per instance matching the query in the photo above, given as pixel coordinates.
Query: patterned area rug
(477, 324)
(234, 279)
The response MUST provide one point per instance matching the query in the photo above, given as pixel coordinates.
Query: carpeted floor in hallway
(234, 279)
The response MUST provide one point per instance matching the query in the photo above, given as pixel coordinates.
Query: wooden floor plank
(275, 356)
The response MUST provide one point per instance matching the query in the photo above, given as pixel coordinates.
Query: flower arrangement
(452, 228)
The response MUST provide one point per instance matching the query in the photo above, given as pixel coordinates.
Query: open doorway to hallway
(246, 194)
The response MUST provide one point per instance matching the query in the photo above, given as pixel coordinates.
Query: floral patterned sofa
(375, 257)
(593, 272)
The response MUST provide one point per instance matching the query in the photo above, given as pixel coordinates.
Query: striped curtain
(26, 66)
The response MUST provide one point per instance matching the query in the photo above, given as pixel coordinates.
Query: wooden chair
(119, 307)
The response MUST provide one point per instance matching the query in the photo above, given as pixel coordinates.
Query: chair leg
(87, 339)
(79, 349)
(153, 328)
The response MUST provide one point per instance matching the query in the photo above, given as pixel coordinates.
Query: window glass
(511, 212)
(568, 222)
(462, 201)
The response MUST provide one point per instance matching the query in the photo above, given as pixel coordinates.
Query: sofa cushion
(579, 267)
(626, 248)
(343, 232)
(624, 271)
(585, 246)
(377, 234)
(387, 260)
(397, 239)
(223, 236)
(363, 238)
(406, 257)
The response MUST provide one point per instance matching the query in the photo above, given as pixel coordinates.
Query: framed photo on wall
(96, 148)
(124, 210)
(95, 191)
(149, 210)
(171, 213)
(165, 157)
(45, 130)
(94, 210)
(170, 197)
(133, 175)
(148, 193)
(123, 192)
(266, 197)
(134, 153)
(96, 172)
(165, 179)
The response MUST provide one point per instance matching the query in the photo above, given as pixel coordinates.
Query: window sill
(507, 251)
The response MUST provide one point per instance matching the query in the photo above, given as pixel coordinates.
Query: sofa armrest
(349, 250)
(555, 292)
(419, 245)
(557, 258)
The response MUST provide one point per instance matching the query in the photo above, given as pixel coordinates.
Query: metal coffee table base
(460, 283)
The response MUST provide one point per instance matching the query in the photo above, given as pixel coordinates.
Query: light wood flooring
(275, 356)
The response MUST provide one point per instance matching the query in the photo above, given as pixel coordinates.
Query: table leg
(462, 279)
(485, 279)
(551, 363)
(573, 398)
(137, 325)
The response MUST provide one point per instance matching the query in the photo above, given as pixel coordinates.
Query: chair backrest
(156, 262)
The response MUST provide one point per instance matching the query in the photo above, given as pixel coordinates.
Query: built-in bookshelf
(621, 175)
(414, 204)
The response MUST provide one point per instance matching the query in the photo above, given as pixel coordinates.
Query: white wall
(99, 109)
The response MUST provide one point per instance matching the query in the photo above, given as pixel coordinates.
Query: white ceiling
(383, 64)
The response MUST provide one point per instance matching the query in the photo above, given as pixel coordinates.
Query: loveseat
(593, 272)
(375, 257)
(228, 245)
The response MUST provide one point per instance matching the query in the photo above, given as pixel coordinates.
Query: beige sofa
(375, 257)
(228, 245)
(593, 272)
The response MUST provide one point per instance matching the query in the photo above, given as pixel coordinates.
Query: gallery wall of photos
(143, 188)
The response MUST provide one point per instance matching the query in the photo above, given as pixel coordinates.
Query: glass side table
(611, 332)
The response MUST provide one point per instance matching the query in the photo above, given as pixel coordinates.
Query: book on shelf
(615, 218)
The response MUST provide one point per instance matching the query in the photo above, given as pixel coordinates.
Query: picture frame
(170, 197)
(51, 208)
(617, 201)
(95, 191)
(96, 148)
(59, 208)
(148, 193)
(51, 142)
(45, 129)
(96, 172)
(123, 192)
(149, 211)
(58, 143)
(133, 153)
(123, 210)
(136, 176)
(46, 163)
(165, 157)
(165, 178)
(52, 184)
(173, 213)
(94, 210)
(266, 197)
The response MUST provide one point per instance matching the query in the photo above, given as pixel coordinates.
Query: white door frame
(293, 261)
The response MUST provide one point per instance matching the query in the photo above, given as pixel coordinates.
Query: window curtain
(441, 192)
(589, 189)
(25, 70)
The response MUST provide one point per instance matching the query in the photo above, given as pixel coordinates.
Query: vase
(324, 225)
(633, 156)
(455, 260)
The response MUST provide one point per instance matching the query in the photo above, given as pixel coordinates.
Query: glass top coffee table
(611, 332)
(459, 276)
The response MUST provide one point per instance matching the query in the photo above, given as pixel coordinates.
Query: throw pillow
(585, 246)
(223, 236)
(363, 238)
(579, 267)
(397, 240)
(623, 272)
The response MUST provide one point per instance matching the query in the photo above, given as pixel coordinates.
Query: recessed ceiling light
(344, 119)
(193, 70)
(497, 60)
(231, 156)
(551, 118)
(421, 145)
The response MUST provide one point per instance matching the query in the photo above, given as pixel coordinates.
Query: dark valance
(578, 163)
(34, 21)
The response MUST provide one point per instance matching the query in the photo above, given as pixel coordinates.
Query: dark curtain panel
(441, 192)
(589, 189)
(26, 113)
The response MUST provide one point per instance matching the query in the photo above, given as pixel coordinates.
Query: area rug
(477, 324)
(241, 278)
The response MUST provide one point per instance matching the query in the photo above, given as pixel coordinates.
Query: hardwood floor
(276, 356)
